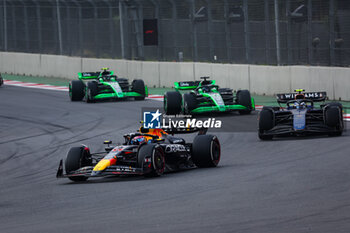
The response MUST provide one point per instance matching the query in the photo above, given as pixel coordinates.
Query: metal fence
(285, 32)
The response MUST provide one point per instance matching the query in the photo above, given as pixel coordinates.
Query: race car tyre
(190, 102)
(244, 98)
(206, 151)
(157, 161)
(333, 115)
(264, 137)
(266, 122)
(138, 86)
(335, 104)
(273, 108)
(77, 157)
(76, 90)
(172, 102)
(91, 91)
(333, 118)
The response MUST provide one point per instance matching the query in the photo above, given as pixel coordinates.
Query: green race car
(93, 86)
(205, 96)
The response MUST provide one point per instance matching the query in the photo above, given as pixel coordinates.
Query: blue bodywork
(299, 111)
(299, 117)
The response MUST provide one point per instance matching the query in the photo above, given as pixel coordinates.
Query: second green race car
(192, 97)
(93, 86)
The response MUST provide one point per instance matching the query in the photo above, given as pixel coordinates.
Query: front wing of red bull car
(160, 153)
(301, 115)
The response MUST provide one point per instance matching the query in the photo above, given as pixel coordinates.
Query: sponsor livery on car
(93, 86)
(300, 116)
(205, 96)
(148, 152)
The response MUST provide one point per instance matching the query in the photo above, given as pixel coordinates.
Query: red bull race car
(148, 152)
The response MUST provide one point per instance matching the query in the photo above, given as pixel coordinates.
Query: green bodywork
(117, 93)
(216, 104)
(183, 85)
(92, 75)
(113, 84)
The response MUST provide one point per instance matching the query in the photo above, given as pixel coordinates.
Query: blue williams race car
(300, 116)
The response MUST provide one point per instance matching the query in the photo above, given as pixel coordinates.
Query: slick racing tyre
(244, 99)
(77, 157)
(190, 102)
(76, 90)
(91, 91)
(266, 122)
(333, 118)
(138, 86)
(206, 151)
(151, 156)
(172, 102)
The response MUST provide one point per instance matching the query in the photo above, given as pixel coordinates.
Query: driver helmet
(299, 96)
(138, 140)
(206, 89)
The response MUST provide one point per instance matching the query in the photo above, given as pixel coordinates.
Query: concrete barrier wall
(313, 79)
(263, 80)
(341, 83)
(267, 80)
(58, 66)
(171, 72)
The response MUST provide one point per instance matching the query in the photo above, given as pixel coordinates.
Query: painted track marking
(58, 88)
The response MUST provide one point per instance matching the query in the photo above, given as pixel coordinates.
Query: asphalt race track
(285, 185)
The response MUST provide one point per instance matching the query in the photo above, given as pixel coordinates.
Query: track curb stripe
(57, 88)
